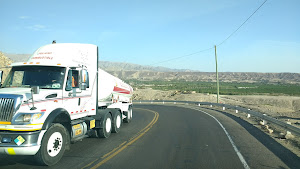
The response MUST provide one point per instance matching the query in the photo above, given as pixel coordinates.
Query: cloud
(38, 27)
(24, 17)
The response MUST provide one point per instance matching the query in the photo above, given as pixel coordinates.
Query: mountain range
(128, 71)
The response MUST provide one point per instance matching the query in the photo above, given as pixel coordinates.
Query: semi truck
(60, 96)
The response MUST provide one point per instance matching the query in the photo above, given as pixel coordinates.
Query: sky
(179, 34)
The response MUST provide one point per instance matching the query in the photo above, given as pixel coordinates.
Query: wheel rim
(108, 125)
(55, 143)
(118, 121)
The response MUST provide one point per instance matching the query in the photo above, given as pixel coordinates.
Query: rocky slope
(4, 61)
(284, 107)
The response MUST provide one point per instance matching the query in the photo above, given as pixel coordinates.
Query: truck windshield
(46, 77)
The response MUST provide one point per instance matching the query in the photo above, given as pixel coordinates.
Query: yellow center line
(149, 125)
(114, 149)
(121, 147)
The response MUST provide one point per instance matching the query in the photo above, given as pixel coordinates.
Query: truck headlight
(27, 117)
(23, 118)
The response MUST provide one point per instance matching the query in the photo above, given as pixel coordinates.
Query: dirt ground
(281, 107)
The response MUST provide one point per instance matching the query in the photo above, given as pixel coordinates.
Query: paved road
(172, 137)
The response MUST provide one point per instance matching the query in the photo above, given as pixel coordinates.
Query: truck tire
(105, 130)
(117, 122)
(128, 116)
(52, 146)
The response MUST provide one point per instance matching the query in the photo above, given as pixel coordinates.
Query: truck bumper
(20, 143)
(32, 150)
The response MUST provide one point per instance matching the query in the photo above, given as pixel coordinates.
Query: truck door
(77, 94)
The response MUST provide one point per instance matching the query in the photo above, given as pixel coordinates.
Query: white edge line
(231, 141)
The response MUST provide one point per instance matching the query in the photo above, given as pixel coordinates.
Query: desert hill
(290, 78)
(4, 61)
(128, 71)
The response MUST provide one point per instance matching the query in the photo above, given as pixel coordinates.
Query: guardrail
(288, 127)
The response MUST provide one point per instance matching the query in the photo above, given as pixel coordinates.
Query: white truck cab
(57, 97)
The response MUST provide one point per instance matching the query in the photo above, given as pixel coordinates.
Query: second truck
(57, 97)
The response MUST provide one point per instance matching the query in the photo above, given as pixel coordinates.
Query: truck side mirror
(84, 77)
(35, 89)
(83, 86)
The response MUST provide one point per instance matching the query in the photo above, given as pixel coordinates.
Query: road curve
(169, 137)
(181, 138)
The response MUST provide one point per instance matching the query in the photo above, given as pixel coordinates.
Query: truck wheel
(53, 145)
(105, 130)
(117, 122)
(128, 116)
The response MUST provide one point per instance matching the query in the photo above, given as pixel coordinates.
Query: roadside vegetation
(226, 88)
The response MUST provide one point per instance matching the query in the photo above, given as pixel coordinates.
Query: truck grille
(6, 109)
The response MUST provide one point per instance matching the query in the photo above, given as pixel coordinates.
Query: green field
(226, 88)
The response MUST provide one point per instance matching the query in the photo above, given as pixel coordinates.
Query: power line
(242, 23)
(204, 50)
(216, 45)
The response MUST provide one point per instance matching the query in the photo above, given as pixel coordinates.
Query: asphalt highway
(162, 136)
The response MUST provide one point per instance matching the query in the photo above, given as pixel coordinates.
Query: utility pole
(217, 74)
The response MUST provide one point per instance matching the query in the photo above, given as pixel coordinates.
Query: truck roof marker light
(31, 63)
(37, 63)
(43, 110)
(59, 64)
(72, 112)
(25, 63)
(55, 101)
